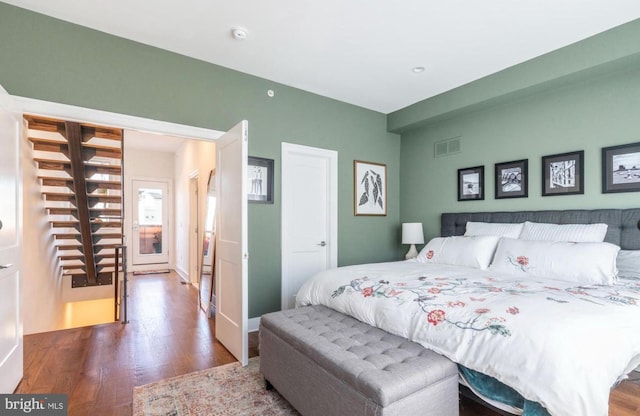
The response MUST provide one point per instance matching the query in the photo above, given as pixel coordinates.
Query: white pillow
(628, 262)
(494, 228)
(577, 233)
(476, 251)
(583, 263)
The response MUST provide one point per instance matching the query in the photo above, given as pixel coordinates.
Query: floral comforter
(554, 342)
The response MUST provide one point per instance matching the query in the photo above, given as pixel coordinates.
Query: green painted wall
(585, 114)
(51, 60)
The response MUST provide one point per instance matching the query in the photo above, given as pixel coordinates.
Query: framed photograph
(471, 184)
(260, 180)
(512, 179)
(369, 188)
(621, 168)
(563, 174)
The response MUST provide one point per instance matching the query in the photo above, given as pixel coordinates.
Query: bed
(558, 325)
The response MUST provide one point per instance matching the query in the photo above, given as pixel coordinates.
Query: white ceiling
(357, 51)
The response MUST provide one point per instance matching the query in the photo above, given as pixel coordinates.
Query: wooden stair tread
(78, 245)
(55, 164)
(64, 224)
(89, 130)
(102, 168)
(99, 257)
(71, 236)
(52, 164)
(99, 184)
(59, 196)
(95, 212)
(105, 198)
(66, 236)
(44, 123)
(106, 224)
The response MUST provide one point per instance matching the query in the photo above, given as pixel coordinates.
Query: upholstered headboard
(623, 230)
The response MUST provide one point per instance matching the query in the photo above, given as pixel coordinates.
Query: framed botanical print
(471, 183)
(563, 174)
(369, 188)
(621, 168)
(512, 179)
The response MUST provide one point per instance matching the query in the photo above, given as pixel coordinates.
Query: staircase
(80, 174)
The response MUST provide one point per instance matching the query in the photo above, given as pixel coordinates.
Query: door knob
(5, 266)
(322, 243)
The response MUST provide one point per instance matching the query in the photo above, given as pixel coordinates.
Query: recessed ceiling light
(239, 33)
(417, 69)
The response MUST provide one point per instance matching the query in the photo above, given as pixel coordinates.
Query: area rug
(228, 390)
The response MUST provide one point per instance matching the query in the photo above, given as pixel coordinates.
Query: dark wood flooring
(98, 366)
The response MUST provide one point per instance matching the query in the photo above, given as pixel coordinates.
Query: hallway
(98, 366)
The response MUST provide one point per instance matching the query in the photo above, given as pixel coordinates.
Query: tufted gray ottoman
(328, 364)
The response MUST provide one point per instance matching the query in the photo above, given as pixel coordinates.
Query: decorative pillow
(476, 251)
(583, 263)
(628, 262)
(494, 228)
(576, 233)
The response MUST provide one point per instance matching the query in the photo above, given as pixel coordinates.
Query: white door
(231, 244)
(11, 351)
(309, 215)
(150, 222)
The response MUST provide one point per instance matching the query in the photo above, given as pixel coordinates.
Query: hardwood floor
(97, 367)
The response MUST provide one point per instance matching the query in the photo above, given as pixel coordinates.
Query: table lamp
(412, 234)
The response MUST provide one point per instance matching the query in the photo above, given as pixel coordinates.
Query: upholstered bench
(328, 364)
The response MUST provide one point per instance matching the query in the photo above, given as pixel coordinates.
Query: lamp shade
(412, 233)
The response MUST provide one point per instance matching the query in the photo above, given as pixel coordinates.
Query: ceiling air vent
(448, 147)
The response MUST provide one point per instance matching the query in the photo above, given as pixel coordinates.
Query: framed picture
(563, 174)
(512, 179)
(471, 184)
(369, 188)
(621, 168)
(260, 180)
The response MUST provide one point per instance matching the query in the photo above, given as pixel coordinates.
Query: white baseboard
(182, 273)
(253, 324)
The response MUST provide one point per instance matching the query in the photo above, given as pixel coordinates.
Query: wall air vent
(448, 147)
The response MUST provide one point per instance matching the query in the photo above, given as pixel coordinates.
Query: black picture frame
(512, 179)
(260, 180)
(471, 184)
(621, 168)
(563, 174)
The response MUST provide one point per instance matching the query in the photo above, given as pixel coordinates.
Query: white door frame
(194, 230)
(332, 156)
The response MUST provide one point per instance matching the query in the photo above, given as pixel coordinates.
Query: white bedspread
(554, 342)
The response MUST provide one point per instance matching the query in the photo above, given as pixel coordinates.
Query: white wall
(194, 157)
(148, 165)
(45, 290)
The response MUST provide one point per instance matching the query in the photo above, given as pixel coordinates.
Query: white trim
(124, 121)
(182, 274)
(332, 157)
(253, 324)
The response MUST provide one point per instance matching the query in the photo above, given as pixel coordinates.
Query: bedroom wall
(51, 60)
(592, 107)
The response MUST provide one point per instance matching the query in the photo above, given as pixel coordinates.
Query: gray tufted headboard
(623, 230)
